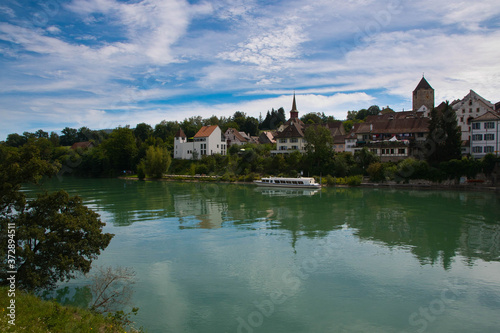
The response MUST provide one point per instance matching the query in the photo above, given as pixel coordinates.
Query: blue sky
(105, 63)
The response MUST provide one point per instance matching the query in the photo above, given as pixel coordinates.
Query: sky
(109, 63)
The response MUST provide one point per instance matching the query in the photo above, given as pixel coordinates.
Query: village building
(234, 137)
(209, 140)
(290, 136)
(484, 135)
(82, 145)
(468, 108)
(266, 137)
(423, 97)
(390, 136)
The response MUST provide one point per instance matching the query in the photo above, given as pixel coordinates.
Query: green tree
(312, 118)
(55, 234)
(364, 158)
(121, 148)
(69, 136)
(142, 131)
(156, 162)
(443, 142)
(318, 148)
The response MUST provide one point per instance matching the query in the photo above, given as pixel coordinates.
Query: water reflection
(434, 226)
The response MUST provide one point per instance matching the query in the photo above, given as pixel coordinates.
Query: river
(237, 258)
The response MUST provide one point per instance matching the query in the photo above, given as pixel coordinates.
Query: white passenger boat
(301, 182)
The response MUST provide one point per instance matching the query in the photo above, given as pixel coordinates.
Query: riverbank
(412, 184)
(29, 313)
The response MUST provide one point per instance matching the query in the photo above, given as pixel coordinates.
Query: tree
(121, 148)
(69, 136)
(156, 162)
(443, 142)
(364, 158)
(15, 140)
(312, 118)
(142, 131)
(55, 234)
(319, 147)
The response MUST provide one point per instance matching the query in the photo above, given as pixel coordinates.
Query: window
(489, 137)
(420, 135)
(463, 110)
(401, 151)
(295, 147)
(477, 137)
(489, 124)
(374, 150)
(203, 148)
(488, 149)
(470, 110)
(476, 125)
(282, 147)
(477, 110)
(392, 151)
(461, 119)
(477, 149)
(283, 140)
(292, 140)
(470, 102)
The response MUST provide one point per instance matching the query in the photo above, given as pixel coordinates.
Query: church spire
(294, 113)
(294, 104)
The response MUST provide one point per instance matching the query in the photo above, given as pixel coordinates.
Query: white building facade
(208, 141)
(468, 108)
(485, 135)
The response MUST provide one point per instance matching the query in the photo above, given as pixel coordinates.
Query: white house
(484, 135)
(471, 106)
(208, 141)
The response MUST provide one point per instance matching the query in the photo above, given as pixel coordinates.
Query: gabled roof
(205, 131)
(266, 137)
(472, 95)
(294, 130)
(423, 85)
(83, 145)
(487, 116)
(236, 134)
(180, 134)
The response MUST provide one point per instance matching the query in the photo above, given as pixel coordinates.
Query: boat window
(301, 183)
(288, 182)
(294, 182)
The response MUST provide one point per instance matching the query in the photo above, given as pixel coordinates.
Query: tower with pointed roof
(423, 95)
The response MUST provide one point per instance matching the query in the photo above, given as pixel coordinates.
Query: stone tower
(423, 95)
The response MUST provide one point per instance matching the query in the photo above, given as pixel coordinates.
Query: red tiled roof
(205, 131)
(83, 145)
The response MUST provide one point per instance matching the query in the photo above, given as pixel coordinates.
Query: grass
(35, 316)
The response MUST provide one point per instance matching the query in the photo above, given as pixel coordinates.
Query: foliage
(376, 171)
(488, 163)
(318, 148)
(443, 141)
(34, 315)
(364, 158)
(121, 149)
(56, 235)
(156, 162)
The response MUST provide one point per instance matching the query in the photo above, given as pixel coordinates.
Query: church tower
(423, 95)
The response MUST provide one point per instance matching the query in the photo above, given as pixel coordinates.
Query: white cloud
(269, 51)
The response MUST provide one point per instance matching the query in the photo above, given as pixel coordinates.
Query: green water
(235, 258)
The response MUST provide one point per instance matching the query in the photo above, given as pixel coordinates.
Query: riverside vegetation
(147, 152)
(47, 239)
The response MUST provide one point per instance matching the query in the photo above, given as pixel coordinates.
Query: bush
(354, 180)
(376, 171)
